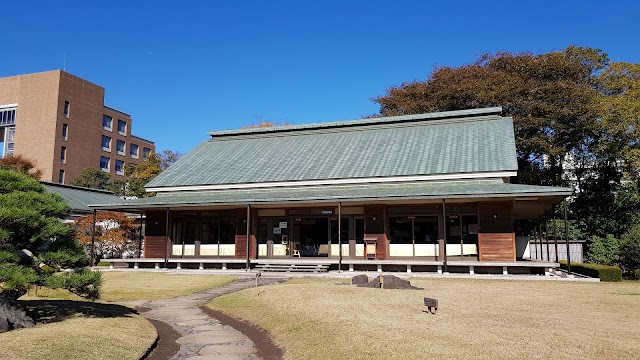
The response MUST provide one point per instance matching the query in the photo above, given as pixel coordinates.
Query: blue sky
(183, 68)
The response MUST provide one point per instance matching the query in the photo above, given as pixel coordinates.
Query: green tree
(92, 178)
(604, 250)
(630, 250)
(137, 176)
(30, 224)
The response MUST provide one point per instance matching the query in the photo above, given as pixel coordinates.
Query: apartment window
(106, 143)
(120, 147)
(104, 163)
(122, 127)
(7, 117)
(7, 136)
(61, 177)
(119, 167)
(107, 122)
(133, 150)
(145, 153)
(63, 154)
(66, 109)
(65, 131)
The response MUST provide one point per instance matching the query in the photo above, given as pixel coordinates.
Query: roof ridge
(456, 115)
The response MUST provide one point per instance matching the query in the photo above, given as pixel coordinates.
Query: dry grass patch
(133, 285)
(476, 319)
(102, 334)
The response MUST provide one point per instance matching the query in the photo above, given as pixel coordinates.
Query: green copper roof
(421, 190)
(79, 198)
(471, 141)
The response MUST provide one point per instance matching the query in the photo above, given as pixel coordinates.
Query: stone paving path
(204, 337)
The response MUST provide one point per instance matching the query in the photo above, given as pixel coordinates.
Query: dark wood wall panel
(372, 226)
(156, 223)
(495, 217)
(241, 223)
(497, 246)
(154, 246)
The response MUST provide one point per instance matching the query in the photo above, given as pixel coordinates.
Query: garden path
(202, 336)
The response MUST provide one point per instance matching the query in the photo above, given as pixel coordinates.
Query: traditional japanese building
(428, 191)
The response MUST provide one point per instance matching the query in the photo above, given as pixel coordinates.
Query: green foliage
(92, 178)
(603, 272)
(64, 259)
(604, 250)
(103, 263)
(8, 257)
(630, 250)
(84, 283)
(15, 280)
(636, 274)
(29, 217)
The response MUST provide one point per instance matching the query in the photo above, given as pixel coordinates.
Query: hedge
(604, 272)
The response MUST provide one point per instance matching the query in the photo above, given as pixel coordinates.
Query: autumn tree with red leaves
(116, 234)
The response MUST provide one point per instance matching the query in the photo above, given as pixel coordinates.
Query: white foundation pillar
(504, 271)
(379, 268)
(201, 267)
(439, 269)
(156, 266)
(350, 267)
(136, 266)
(409, 268)
(471, 270)
(224, 266)
(179, 266)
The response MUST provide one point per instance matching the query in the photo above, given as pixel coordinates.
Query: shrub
(8, 257)
(16, 280)
(630, 250)
(604, 250)
(64, 259)
(103, 263)
(84, 283)
(603, 272)
(636, 274)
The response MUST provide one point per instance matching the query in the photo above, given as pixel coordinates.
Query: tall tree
(549, 96)
(92, 178)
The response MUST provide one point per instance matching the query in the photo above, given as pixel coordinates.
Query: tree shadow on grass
(49, 311)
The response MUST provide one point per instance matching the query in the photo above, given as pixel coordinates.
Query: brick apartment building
(60, 121)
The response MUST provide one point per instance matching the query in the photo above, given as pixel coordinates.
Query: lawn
(79, 330)
(70, 328)
(488, 319)
(134, 285)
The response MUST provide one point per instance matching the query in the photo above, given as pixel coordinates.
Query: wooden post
(444, 232)
(339, 237)
(166, 239)
(535, 237)
(140, 239)
(566, 236)
(540, 237)
(546, 234)
(248, 236)
(555, 237)
(93, 240)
